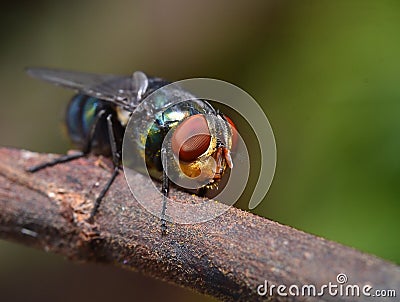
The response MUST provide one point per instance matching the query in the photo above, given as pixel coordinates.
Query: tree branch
(227, 257)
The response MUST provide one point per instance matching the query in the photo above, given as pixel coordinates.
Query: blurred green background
(325, 72)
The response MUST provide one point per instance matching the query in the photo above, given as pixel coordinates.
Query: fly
(97, 116)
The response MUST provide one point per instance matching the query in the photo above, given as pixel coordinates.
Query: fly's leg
(116, 156)
(165, 180)
(165, 190)
(67, 158)
(202, 191)
(86, 149)
(59, 160)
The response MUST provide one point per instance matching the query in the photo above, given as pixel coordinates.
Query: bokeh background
(326, 74)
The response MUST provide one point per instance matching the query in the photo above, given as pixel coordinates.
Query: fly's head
(202, 144)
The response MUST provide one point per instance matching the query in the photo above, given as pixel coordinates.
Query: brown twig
(228, 257)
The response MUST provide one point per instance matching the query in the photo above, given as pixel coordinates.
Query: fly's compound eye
(191, 138)
(234, 132)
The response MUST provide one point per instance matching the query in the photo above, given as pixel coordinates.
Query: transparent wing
(121, 90)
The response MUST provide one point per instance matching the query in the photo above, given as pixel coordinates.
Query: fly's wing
(123, 91)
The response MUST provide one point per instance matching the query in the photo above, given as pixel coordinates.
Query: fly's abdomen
(81, 115)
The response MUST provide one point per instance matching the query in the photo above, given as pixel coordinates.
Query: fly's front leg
(66, 158)
(116, 156)
(165, 190)
(164, 126)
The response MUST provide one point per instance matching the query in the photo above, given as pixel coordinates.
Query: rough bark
(228, 257)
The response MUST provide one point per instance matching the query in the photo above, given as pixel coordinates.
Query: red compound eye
(234, 132)
(191, 138)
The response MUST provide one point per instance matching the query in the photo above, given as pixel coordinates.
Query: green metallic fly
(97, 116)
